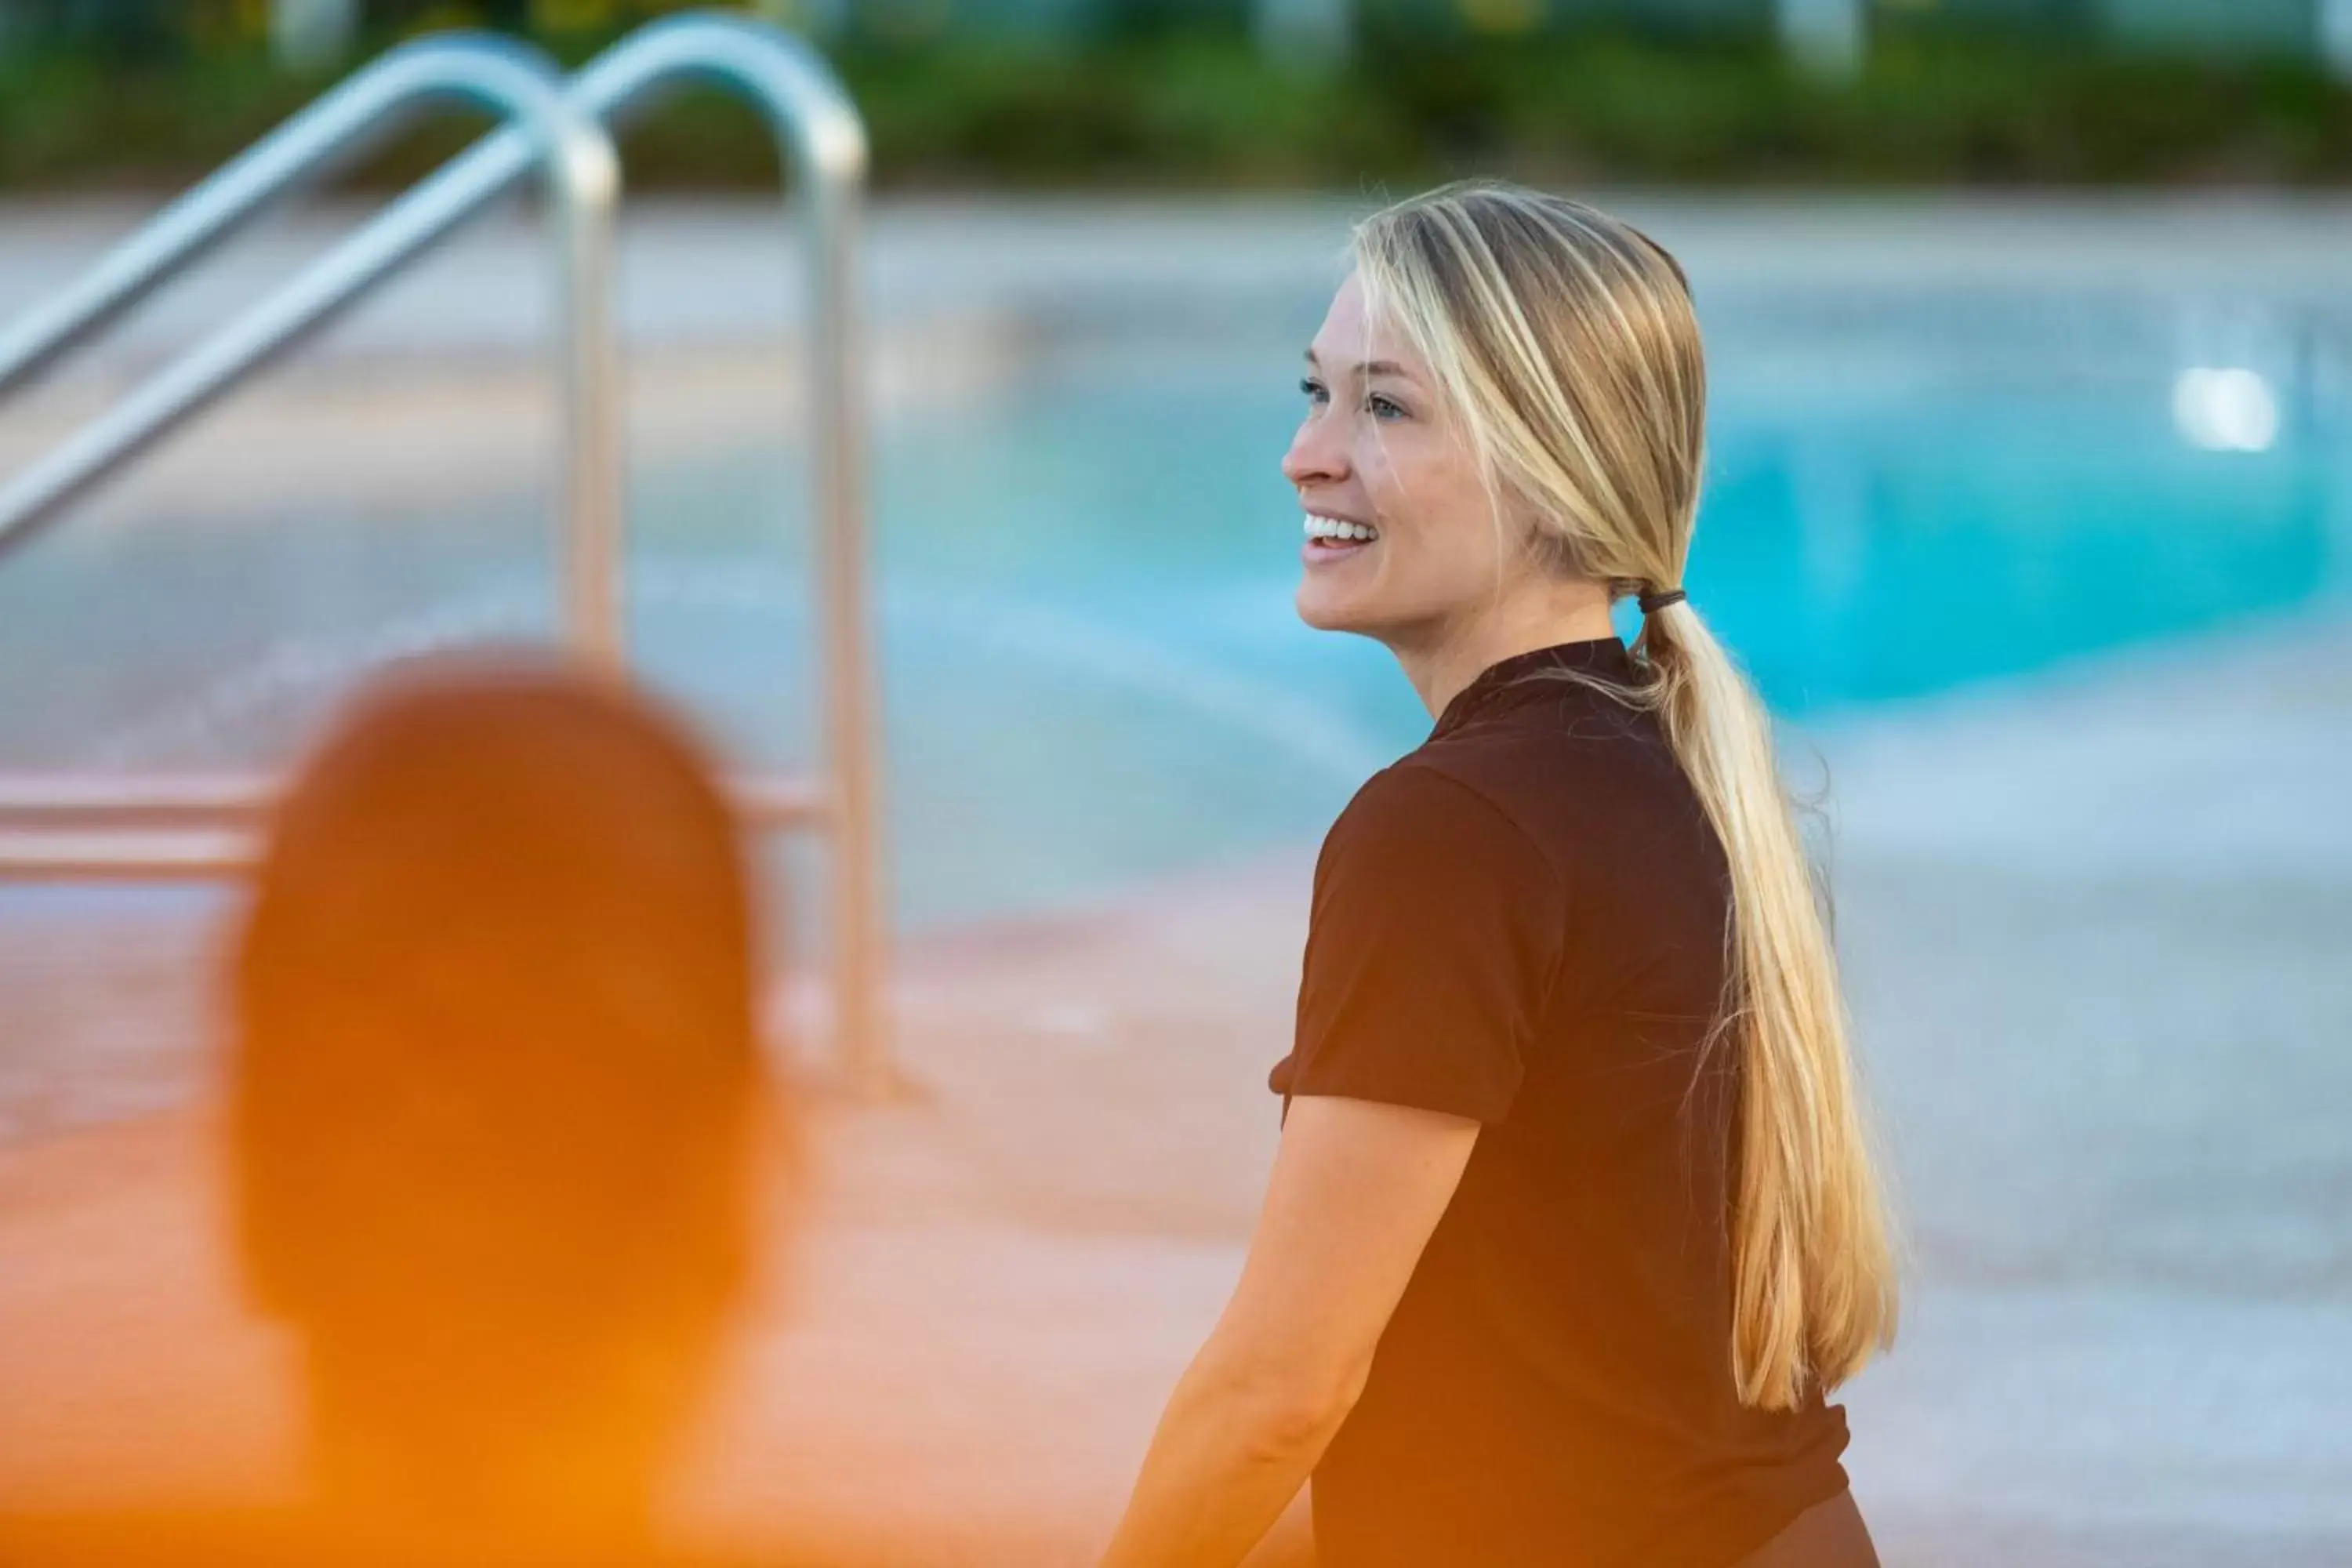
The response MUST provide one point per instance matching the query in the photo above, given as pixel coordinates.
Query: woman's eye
(1384, 407)
(1313, 389)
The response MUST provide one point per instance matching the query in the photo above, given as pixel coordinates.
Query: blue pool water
(1093, 672)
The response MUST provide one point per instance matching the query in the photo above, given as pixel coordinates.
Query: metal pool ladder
(64, 828)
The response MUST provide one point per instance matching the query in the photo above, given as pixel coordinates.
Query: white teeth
(1333, 527)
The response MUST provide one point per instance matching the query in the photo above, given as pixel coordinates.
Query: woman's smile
(1331, 539)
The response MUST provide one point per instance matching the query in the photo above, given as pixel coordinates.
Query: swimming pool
(1092, 669)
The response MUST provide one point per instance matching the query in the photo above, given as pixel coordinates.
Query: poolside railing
(59, 828)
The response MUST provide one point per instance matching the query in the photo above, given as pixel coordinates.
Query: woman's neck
(1442, 666)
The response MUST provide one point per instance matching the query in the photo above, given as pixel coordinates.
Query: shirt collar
(1604, 656)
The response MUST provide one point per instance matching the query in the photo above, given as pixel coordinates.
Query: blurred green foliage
(1176, 95)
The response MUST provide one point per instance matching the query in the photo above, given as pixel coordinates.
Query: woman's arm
(1355, 1190)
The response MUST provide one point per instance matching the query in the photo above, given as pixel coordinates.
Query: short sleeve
(1435, 931)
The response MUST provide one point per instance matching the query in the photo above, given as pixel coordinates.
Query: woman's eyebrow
(1369, 367)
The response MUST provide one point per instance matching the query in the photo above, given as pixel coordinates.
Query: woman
(1573, 1221)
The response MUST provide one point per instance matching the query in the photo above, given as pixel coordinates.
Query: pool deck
(2094, 925)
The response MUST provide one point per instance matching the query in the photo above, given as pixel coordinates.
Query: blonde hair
(1565, 343)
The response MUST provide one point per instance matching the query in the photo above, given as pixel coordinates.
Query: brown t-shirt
(1524, 921)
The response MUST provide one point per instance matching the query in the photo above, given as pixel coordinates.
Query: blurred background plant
(1284, 93)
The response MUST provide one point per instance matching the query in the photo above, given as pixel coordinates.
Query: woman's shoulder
(1417, 822)
(1567, 799)
(1418, 796)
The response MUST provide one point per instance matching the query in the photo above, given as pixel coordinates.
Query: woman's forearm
(1357, 1188)
(1230, 1452)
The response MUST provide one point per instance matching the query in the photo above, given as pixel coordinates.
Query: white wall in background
(313, 35)
(1827, 36)
(1305, 32)
(2336, 36)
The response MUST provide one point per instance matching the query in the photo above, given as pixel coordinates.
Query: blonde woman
(1573, 1222)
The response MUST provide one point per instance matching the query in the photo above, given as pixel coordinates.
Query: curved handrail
(821, 136)
(334, 130)
(584, 175)
(808, 109)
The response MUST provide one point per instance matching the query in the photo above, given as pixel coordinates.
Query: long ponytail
(1814, 1276)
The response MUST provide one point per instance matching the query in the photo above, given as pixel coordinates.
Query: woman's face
(1378, 450)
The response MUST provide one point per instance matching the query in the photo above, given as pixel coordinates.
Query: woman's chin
(1325, 612)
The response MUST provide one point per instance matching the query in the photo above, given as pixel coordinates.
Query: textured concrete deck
(2095, 926)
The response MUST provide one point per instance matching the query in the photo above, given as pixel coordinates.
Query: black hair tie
(1652, 602)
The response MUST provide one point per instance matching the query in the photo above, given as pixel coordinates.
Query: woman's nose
(1315, 456)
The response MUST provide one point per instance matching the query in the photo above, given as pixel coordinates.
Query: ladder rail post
(588, 367)
(820, 135)
(861, 927)
(820, 138)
